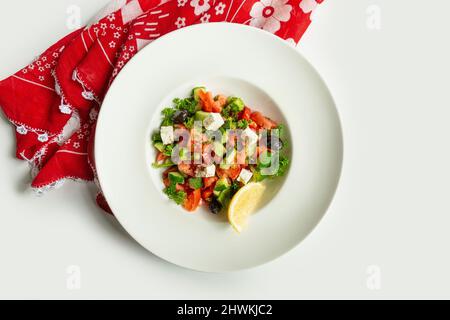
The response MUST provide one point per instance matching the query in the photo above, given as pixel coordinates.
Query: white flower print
(220, 8)
(180, 23)
(48, 65)
(200, 6)
(268, 14)
(81, 136)
(112, 44)
(117, 35)
(95, 30)
(120, 64)
(125, 30)
(24, 71)
(308, 5)
(76, 145)
(85, 126)
(103, 26)
(41, 78)
(182, 3)
(38, 63)
(130, 37)
(55, 55)
(43, 137)
(41, 69)
(112, 26)
(205, 18)
(131, 48)
(22, 130)
(65, 109)
(126, 56)
(44, 59)
(111, 17)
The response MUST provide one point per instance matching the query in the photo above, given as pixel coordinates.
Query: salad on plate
(216, 151)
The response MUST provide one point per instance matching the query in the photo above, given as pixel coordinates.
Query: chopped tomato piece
(166, 181)
(180, 187)
(245, 114)
(262, 121)
(208, 182)
(232, 173)
(253, 126)
(207, 193)
(221, 100)
(160, 157)
(208, 103)
(186, 169)
(193, 200)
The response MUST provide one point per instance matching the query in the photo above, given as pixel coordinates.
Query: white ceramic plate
(271, 77)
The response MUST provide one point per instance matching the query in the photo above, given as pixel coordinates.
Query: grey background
(391, 209)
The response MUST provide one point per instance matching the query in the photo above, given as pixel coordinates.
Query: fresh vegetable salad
(211, 146)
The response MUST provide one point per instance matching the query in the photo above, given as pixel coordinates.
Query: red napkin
(54, 101)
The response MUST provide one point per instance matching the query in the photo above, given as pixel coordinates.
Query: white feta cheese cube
(206, 171)
(167, 135)
(249, 136)
(245, 176)
(213, 122)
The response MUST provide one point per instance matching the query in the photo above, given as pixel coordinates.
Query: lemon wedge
(244, 203)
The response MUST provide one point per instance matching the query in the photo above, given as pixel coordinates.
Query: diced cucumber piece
(176, 178)
(166, 164)
(196, 91)
(195, 183)
(201, 115)
(159, 146)
(221, 185)
(225, 197)
(184, 154)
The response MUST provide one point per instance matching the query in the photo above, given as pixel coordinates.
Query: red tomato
(253, 126)
(180, 187)
(221, 100)
(186, 169)
(193, 200)
(208, 182)
(207, 193)
(245, 114)
(166, 181)
(232, 173)
(262, 121)
(209, 104)
(160, 157)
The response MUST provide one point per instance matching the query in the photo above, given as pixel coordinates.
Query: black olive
(180, 116)
(215, 206)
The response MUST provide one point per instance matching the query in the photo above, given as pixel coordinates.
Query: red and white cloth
(54, 101)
